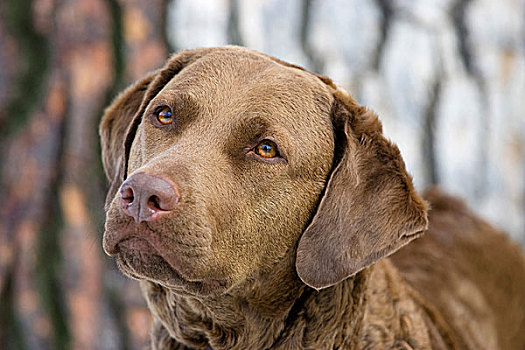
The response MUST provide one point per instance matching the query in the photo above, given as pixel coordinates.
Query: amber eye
(164, 116)
(266, 149)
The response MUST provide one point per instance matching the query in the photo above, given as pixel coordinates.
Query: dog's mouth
(140, 260)
(136, 244)
(150, 257)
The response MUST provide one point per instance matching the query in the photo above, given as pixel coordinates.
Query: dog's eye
(164, 116)
(266, 149)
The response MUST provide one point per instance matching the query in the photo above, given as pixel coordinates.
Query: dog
(259, 205)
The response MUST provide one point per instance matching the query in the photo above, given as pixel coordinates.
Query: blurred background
(447, 78)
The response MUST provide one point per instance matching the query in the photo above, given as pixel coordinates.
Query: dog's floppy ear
(121, 119)
(369, 208)
(113, 130)
(115, 122)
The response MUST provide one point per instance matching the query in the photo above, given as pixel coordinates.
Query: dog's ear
(369, 208)
(114, 125)
(122, 118)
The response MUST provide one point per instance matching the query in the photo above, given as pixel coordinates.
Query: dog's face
(232, 160)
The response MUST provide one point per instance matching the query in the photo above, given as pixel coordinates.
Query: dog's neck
(286, 314)
(373, 309)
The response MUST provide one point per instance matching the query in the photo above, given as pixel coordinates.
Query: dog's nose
(147, 197)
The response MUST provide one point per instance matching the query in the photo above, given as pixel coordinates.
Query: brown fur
(292, 253)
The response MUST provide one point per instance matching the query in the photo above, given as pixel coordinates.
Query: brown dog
(259, 205)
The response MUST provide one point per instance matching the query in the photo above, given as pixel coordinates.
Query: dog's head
(226, 161)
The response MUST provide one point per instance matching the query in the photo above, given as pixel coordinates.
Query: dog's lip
(176, 282)
(135, 239)
(110, 242)
(137, 244)
(190, 286)
(119, 232)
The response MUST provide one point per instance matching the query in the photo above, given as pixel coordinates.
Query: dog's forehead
(248, 79)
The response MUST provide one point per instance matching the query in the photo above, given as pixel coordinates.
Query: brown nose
(147, 197)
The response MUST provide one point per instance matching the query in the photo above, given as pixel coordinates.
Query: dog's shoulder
(470, 271)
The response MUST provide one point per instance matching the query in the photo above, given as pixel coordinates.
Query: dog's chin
(139, 260)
